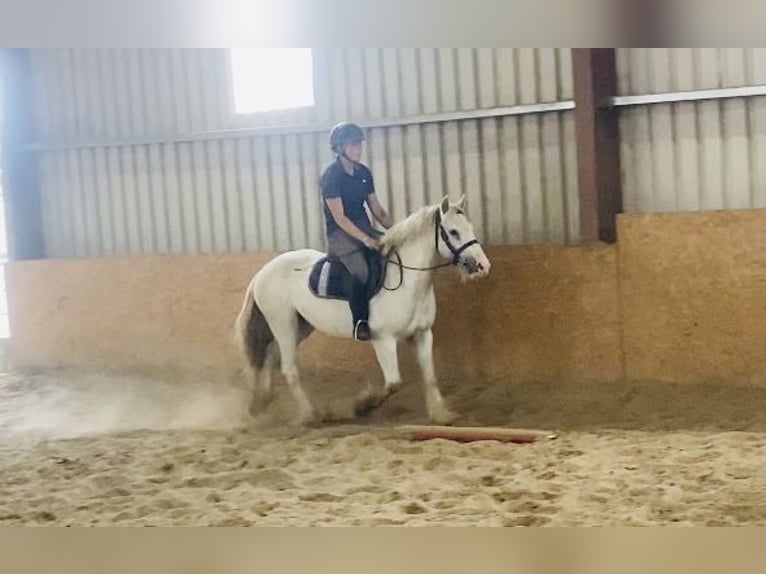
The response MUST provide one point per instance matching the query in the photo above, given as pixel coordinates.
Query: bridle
(439, 232)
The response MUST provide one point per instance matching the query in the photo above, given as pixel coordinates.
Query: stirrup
(362, 331)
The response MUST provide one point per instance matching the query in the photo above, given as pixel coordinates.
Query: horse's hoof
(365, 406)
(259, 404)
(255, 409)
(311, 420)
(392, 388)
(331, 417)
(444, 417)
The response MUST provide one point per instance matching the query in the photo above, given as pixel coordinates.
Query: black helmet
(345, 133)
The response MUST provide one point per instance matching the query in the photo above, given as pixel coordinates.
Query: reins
(439, 231)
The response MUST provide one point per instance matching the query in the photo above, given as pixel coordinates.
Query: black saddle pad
(329, 278)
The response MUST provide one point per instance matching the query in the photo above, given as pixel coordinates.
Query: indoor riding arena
(608, 370)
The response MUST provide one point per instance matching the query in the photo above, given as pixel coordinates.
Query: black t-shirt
(353, 191)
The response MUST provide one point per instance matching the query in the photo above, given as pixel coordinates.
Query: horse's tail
(253, 334)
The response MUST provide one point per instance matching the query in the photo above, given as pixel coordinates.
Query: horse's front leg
(437, 408)
(375, 395)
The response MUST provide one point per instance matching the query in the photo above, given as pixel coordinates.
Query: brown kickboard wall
(543, 312)
(680, 299)
(693, 289)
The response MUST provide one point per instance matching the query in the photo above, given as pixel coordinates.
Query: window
(271, 79)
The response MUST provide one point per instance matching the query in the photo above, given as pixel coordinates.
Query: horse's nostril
(481, 267)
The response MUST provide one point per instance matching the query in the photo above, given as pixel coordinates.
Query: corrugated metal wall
(4, 320)
(690, 156)
(140, 153)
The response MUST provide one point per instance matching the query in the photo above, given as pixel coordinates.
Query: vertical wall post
(598, 143)
(19, 165)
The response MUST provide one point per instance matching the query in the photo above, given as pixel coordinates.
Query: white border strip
(689, 96)
(524, 109)
(292, 130)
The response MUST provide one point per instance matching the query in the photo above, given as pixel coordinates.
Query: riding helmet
(345, 133)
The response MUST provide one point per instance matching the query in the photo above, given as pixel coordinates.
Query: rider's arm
(336, 208)
(378, 211)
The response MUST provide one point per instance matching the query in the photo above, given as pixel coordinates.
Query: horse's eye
(454, 234)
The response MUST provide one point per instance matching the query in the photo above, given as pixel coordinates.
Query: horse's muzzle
(483, 267)
(475, 268)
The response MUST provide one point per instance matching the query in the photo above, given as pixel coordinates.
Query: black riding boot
(360, 311)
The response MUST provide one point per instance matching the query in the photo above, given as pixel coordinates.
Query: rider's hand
(372, 243)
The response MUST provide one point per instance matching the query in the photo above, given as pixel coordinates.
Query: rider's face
(354, 151)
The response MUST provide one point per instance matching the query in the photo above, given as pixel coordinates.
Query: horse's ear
(445, 205)
(460, 202)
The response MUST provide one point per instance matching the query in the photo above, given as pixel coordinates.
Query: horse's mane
(413, 225)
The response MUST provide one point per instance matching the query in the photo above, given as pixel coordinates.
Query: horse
(280, 310)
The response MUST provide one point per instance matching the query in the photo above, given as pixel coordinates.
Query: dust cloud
(75, 405)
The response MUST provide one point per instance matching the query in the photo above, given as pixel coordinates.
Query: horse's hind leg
(263, 391)
(287, 336)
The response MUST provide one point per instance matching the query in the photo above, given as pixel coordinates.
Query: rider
(346, 185)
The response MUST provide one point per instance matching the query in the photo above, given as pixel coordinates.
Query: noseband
(456, 251)
(438, 230)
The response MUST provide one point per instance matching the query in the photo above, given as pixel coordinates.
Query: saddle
(329, 278)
